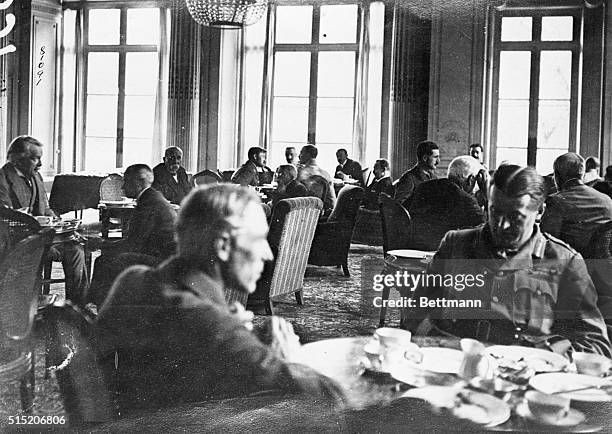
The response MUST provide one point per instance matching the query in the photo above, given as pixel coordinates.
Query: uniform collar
(533, 248)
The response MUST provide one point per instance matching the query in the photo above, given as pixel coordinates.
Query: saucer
(573, 417)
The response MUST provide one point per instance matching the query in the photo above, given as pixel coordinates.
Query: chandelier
(227, 14)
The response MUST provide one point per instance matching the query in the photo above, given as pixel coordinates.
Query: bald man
(150, 235)
(171, 180)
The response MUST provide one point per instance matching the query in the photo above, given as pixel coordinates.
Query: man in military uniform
(533, 289)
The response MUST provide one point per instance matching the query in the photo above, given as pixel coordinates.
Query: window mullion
(534, 91)
(121, 95)
(314, 62)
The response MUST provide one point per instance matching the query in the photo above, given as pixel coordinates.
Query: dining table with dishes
(495, 387)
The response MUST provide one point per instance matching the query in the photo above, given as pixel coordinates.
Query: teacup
(391, 337)
(550, 407)
(44, 220)
(591, 364)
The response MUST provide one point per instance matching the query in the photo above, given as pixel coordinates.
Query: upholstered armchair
(332, 239)
(396, 224)
(292, 227)
(368, 227)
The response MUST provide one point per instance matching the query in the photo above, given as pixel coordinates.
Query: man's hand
(283, 341)
(243, 315)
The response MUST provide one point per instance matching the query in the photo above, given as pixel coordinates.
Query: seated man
(291, 155)
(576, 210)
(347, 168)
(177, 338)
(508, 283)
(591, 172)
(149, 238)
(288, 185)
(170, 179)
(254, 172)
(441, 205)
(22, 188)
(317, 181)
(428, 158)
(605, 186)
(382, 183)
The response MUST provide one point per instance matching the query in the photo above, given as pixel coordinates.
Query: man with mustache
(534, 289)
(22, 188)
(177, 339)
(170, 179)
(428, 158)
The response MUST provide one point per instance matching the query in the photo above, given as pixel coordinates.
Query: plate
(412, 376)
(412, 254)
(556, 382)
(536, 359)
(439, 360)
(118, 202)
(573, 417)
(465, 404)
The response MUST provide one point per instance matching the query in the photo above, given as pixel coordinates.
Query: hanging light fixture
(227, 14)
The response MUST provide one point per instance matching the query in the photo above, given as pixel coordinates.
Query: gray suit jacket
(16, 193)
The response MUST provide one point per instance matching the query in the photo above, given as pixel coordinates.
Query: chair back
(396, 224)
(292, 228)
(20, 284)
(600, 246)
(226, 175)
(365, 174)
(206, 177)
(111, 187)
(82, 382)
(347, 205)
(16, 226)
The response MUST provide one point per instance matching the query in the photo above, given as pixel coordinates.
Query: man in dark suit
(605, 186)
(288, 185)
(173, 320)
(22, 188)
(382, 183)
(441, 205)
(347, 168)
(170, 179)
(150, 235)
(254, 172)
(428, 158)
(576, 210)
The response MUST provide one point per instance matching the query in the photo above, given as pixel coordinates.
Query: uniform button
(538, 292)
(516, 337)
(518, 329)
(495, 299)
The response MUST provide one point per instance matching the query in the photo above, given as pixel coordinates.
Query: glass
(512, 124)
(514, 74)
(516, 29)
(139, 116)
(291, 74)
(101, 118)
(338, 24)
(143, 26)
(104, 26)
(336, 74)
(555, 74)
(553, 124)
(290, 119)
(293, 24)
(103, 73)
(137, 151)
(557, 28)
(334, 120)
(511, 156)
(141, 71)
(100, 154)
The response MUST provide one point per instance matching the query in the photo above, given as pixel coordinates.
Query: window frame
(83, 48)
(535, 47)
(314, 48)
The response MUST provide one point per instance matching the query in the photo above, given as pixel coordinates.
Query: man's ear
(222, 245)
(542, 209)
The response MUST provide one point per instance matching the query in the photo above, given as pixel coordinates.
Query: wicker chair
(332, 239)
(226, 175)
(292, 228)
(396, 224)
(111, 188)
(206, 177)
(82, 381)
(19, 286)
